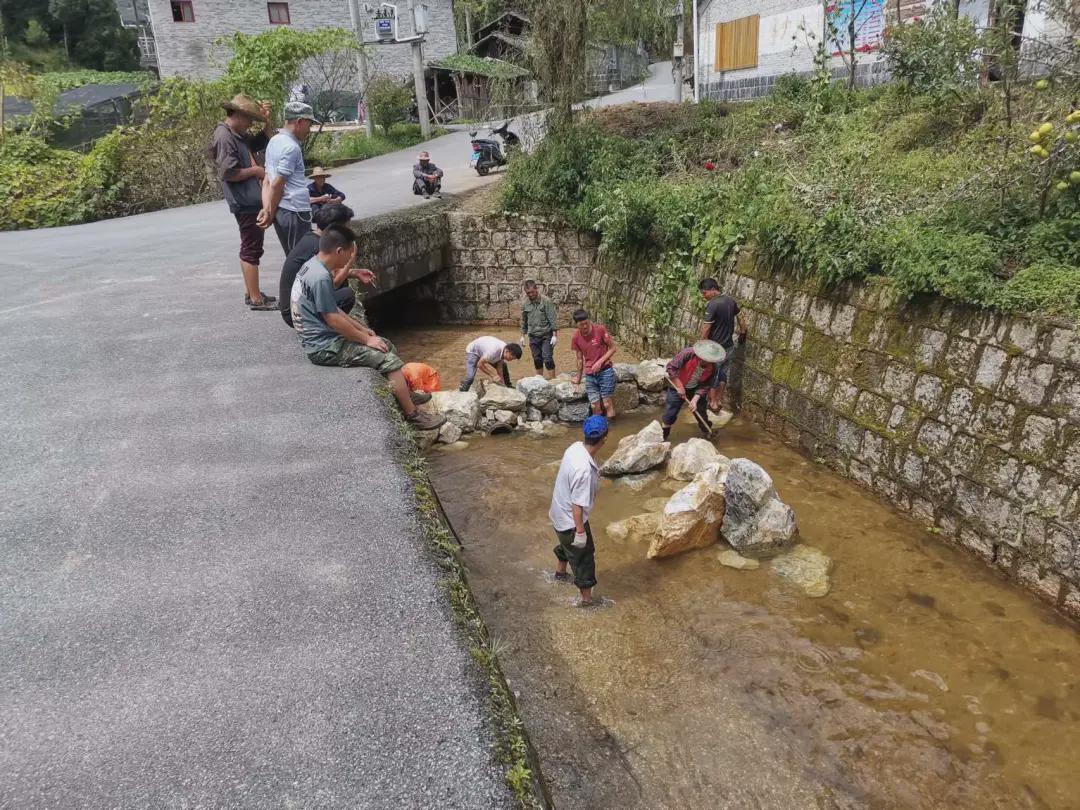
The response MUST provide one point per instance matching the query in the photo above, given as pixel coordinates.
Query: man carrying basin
(576, 486)
(691, 375)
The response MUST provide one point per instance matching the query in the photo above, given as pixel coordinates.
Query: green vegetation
(356, 145)
(389, 101)
(158, 164)
(471, 63)
(931, 183)
(55, 35)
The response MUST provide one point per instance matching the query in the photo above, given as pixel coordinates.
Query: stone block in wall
(821, 311)
(1064, 345)
(928, 392)
(1065, 399)
(873, 409)
(1039, 579)
(995, 420)
(997, 469)
(993, 363)
(964, 454)
(1039, 436)
(931, 346)
(1022, 335)
(960, 356)
(844, 395)
(898, 381)
(960, 408)
(1027, 381)
(934, 437)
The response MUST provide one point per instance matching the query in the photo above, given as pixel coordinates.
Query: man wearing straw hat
(232, 153)
(321, 192)
(691, 374)
(427, 177)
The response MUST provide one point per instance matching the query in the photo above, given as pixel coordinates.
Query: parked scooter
(488, 153)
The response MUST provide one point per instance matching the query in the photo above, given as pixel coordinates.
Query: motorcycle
(488, 153)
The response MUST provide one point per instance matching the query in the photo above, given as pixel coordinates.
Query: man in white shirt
(576, 486)
(488, 355)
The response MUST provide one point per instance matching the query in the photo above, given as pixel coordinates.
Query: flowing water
(921, 680)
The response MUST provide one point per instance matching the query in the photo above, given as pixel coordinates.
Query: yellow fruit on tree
(1072, 137)
(1043, 153)
(1035, 137)
(1042, 84)
(1061, 185)
(1074, 178)
(1046, 128)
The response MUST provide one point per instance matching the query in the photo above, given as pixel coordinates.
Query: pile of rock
(540, 406)
(734, 500)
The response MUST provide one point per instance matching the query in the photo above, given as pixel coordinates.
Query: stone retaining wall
(969, 421)
(488, 258)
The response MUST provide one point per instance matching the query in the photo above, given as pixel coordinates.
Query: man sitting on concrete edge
(489, 356)
(307, 247)
(692, 373)
(594, 349)
(540, 329)
(427, 177)
(576, 485)
(331, 338)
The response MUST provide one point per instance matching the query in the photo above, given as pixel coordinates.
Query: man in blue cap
(576, 486)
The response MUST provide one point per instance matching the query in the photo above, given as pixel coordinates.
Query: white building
(743, 46)
(184, 32)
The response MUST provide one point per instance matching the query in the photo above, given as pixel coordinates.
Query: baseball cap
(298, 110)
(595, 427)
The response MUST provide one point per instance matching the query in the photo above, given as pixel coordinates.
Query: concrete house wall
(187, 48)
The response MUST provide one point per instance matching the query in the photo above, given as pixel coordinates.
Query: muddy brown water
(921, 680)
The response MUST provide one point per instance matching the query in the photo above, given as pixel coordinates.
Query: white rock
(566, 391)
(733, 559)
(691, 457)
(638, 527)
(691, 519)
(625, 372)
(449, 433)
(574, 411)
(505, 417)
(757, 523)
(533, 414)
(538, 391)
(460, 407)
(638, 482)
(451, 448)
(638, 453)
(651, 376)
(501, 398)
(806, 567)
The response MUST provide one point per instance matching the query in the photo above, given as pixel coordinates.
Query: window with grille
(737, 43)
(182, 11)
(279, 13)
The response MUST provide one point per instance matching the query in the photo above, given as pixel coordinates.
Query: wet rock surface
(651, 376)
(638, 527)
(757, 523)
(460, 407)
(691, 519)
(638, 453)
(691, 457)
(805, 567)
(539, 392)
(499, 397)
(733, 559)
(625, 397)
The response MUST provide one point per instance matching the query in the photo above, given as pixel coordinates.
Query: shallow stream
(922, 680)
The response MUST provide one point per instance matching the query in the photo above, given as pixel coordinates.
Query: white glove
(554, 339)
(580, 539)
(524, 341)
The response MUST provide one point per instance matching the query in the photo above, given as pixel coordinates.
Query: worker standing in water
(692, 375)
(539, 329)
(576, 486)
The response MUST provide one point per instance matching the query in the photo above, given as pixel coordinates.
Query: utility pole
(677, 54)
(417, 45)
(361, 63)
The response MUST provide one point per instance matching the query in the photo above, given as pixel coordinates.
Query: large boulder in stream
(460, 407)
(626, 373)
(639, 452)
(651, 375)
(501, 398)
(638, 527)
(574, 411)
(691, 457)
(539, 393)
(757, 523)
(691, 519)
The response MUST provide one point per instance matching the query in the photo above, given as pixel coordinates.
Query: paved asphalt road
(212, 589)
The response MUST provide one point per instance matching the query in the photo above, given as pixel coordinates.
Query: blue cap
(595, 427)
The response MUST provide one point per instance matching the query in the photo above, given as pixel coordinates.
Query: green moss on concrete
(787, 370)
(865, 321)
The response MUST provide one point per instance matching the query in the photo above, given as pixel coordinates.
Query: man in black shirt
(307, 247)
(723, 322)
(232, 153)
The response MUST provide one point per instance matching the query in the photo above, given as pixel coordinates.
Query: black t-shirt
(720, 314)
(307, 247)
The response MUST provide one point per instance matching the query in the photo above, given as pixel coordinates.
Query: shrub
(388, 101)
(938, 56)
